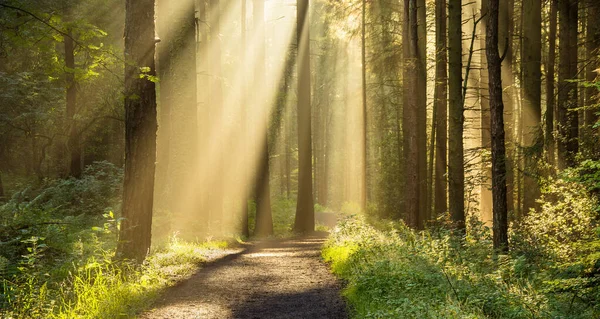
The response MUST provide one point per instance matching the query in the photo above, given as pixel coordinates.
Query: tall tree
(441, 108)
(140, 131)
(424, 205)
(244, 223)
(363, 194)
(591, 94)
(305, 215)
(71, 98)
(531, 61)
(500, 227)
(550, 82)
(264, 219)
(456, 170)
(410, 114)
(567, 117)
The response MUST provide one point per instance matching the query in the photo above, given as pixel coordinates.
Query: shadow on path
(267, 279)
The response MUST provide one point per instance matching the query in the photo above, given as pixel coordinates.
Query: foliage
(551, 272)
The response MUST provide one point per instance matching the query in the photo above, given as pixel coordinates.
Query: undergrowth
(552, 271)
(57, 243)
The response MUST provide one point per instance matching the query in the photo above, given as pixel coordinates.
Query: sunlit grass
(103, 289)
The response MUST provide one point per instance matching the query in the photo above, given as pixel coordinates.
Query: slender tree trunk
(531, 61)
(264, 219)
(140, 132)
(549, 142)
(411, 114)
(505, 37)
(365, 137)
(305, 216)
(245, 192)
(593, 53)
(568, 119)
(441, 106)
(486, 193)
(456, 170)
(500, 212)
(424, 205)
(73, 139)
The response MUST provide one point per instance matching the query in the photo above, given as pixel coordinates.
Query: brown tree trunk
(591, 94)
(505, 38)
(441, 106)
(140, 132)
(531, 61)
(305, 216)
(424, 205)
(73, 139)
(456, 170)
(410, 114)
(245, 192)
(500, 213)
(549, 142)
(567, 118)
(486, 193)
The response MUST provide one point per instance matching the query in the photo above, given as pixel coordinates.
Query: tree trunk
(568, 119)
(456, 170)
(264, 219)
(500, 213)
(549, 142)
(441, 106)
(486, 140)
(593, 53)
(531, 61)
(410, 116)
(73, 139)
(140, 132)
(505, 35)
(424, 205)
(305, 216)
(244, 162)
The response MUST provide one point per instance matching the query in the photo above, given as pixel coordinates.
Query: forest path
(269, 279)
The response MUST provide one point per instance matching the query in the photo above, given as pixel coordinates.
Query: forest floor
(264, 279)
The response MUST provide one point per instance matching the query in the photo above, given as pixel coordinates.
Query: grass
(394, 272)
(101, 288)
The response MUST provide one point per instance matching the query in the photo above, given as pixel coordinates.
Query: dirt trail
(270, 279)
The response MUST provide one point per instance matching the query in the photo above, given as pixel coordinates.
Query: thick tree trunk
(500, 213)
(531, 61)
(305, 216)
(456, 170)
(549, 142)
(441, 106)
(73, 139)
(140, 132)
(568, 119)
(410, 114)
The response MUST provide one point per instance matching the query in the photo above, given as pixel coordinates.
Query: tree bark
(591, 94)
(549, 142)
(500, 227)
(424, 204)
(363, 194)
(73, 139)
(305, 216)
(410, 114)
(568, 119)
(441, 106)
(456, 170)
(140, 132)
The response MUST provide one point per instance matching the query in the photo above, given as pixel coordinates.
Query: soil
(267, 279)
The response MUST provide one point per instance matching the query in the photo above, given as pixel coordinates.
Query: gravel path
(270, 279)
